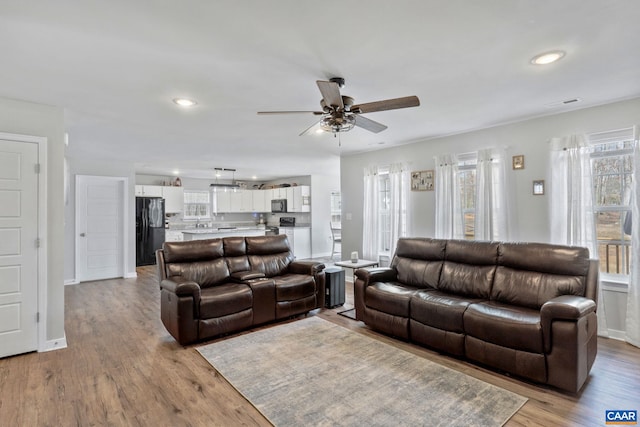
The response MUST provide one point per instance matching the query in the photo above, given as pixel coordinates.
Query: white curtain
(370, 220)
(399, 182)
(448, 208)
(492, 216)
(633, 296)
(572, 221)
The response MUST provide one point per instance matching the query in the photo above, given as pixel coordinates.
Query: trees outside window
(612, 169)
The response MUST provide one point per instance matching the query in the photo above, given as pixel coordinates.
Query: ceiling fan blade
(387, 104)
(316, 113)
(370, 125)
(330, 93)
(306, 131)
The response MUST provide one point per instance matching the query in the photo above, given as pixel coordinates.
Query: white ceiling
(116, 65)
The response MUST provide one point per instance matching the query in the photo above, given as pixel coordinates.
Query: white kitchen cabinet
(241, 201)
(222, 201)
(148, 191)
(300, 199)
(279, 193)
(173, 199)
(299, 241)
(259, 204)
(173, 236)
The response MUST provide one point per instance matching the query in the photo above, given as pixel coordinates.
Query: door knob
(83, 234)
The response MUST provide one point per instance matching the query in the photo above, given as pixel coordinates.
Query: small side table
(361, 263)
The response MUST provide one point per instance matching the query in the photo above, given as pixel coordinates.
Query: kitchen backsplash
(235, 219)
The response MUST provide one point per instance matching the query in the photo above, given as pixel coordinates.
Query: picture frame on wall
(517, 162)
(538, 187)
(422, 180)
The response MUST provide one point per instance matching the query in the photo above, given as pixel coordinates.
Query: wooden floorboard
(122, 368)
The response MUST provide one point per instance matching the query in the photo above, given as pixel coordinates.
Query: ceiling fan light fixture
(547, 57)
(335, 124)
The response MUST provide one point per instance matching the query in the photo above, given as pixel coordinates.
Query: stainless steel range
(287, 221)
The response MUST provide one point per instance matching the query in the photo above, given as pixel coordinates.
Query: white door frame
(42, 231)
(124, 247)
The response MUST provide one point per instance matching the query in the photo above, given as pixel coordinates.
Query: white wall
(529, 138)
(43, 120)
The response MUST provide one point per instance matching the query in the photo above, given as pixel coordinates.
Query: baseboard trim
(71, 282)
(55, 344)
(617, 335)
(130, 275)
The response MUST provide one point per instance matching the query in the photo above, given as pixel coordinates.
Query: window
(612, 168)
(384, 212)
(336, 207)
(197, 204)
(466, 177)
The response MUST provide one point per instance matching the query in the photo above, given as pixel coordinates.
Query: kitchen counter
(213, 233)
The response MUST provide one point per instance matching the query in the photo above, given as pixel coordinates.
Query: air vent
(563, 103)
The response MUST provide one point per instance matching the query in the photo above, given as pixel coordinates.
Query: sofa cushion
(234, 246)
(391, 298)
(266, 245)
(193, 250)
(204, 273)
(505, 325)
(271, 265)
(531, 274)
(418, 262)
(238, 263)
(291, 287)
(533, 289)
(469, 268)
(229, 298)
(545, 258)
(440, 310)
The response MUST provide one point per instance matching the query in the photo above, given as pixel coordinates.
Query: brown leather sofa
(217, 286)
(528, 309)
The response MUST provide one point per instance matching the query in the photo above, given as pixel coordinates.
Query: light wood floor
(121, 367)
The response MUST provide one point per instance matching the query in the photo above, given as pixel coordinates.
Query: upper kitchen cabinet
(242, 201)
(260, 201)
(173, 199)
(148, 191)
(299, 199)
(222, 201)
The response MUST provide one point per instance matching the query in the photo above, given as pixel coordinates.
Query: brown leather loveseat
(523, 308)
(217, 286)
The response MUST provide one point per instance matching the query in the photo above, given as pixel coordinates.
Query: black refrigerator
(149, 228)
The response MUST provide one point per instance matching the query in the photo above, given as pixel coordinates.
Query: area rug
(312, 372)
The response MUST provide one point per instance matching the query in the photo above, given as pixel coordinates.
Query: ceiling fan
(340, 114)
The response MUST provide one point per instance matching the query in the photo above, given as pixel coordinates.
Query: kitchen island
(217, 233)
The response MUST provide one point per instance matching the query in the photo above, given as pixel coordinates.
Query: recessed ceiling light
(176, 172)
(547, 57)
(185, 102)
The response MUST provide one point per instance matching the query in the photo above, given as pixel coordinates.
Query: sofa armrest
(378, 274)
(243, 276)
(181, 287)
(564, 307)
(306, 267)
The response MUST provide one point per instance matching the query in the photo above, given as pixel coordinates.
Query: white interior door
(99, 225)
(18, 247)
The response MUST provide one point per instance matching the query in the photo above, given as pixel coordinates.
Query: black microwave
(279, 205)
